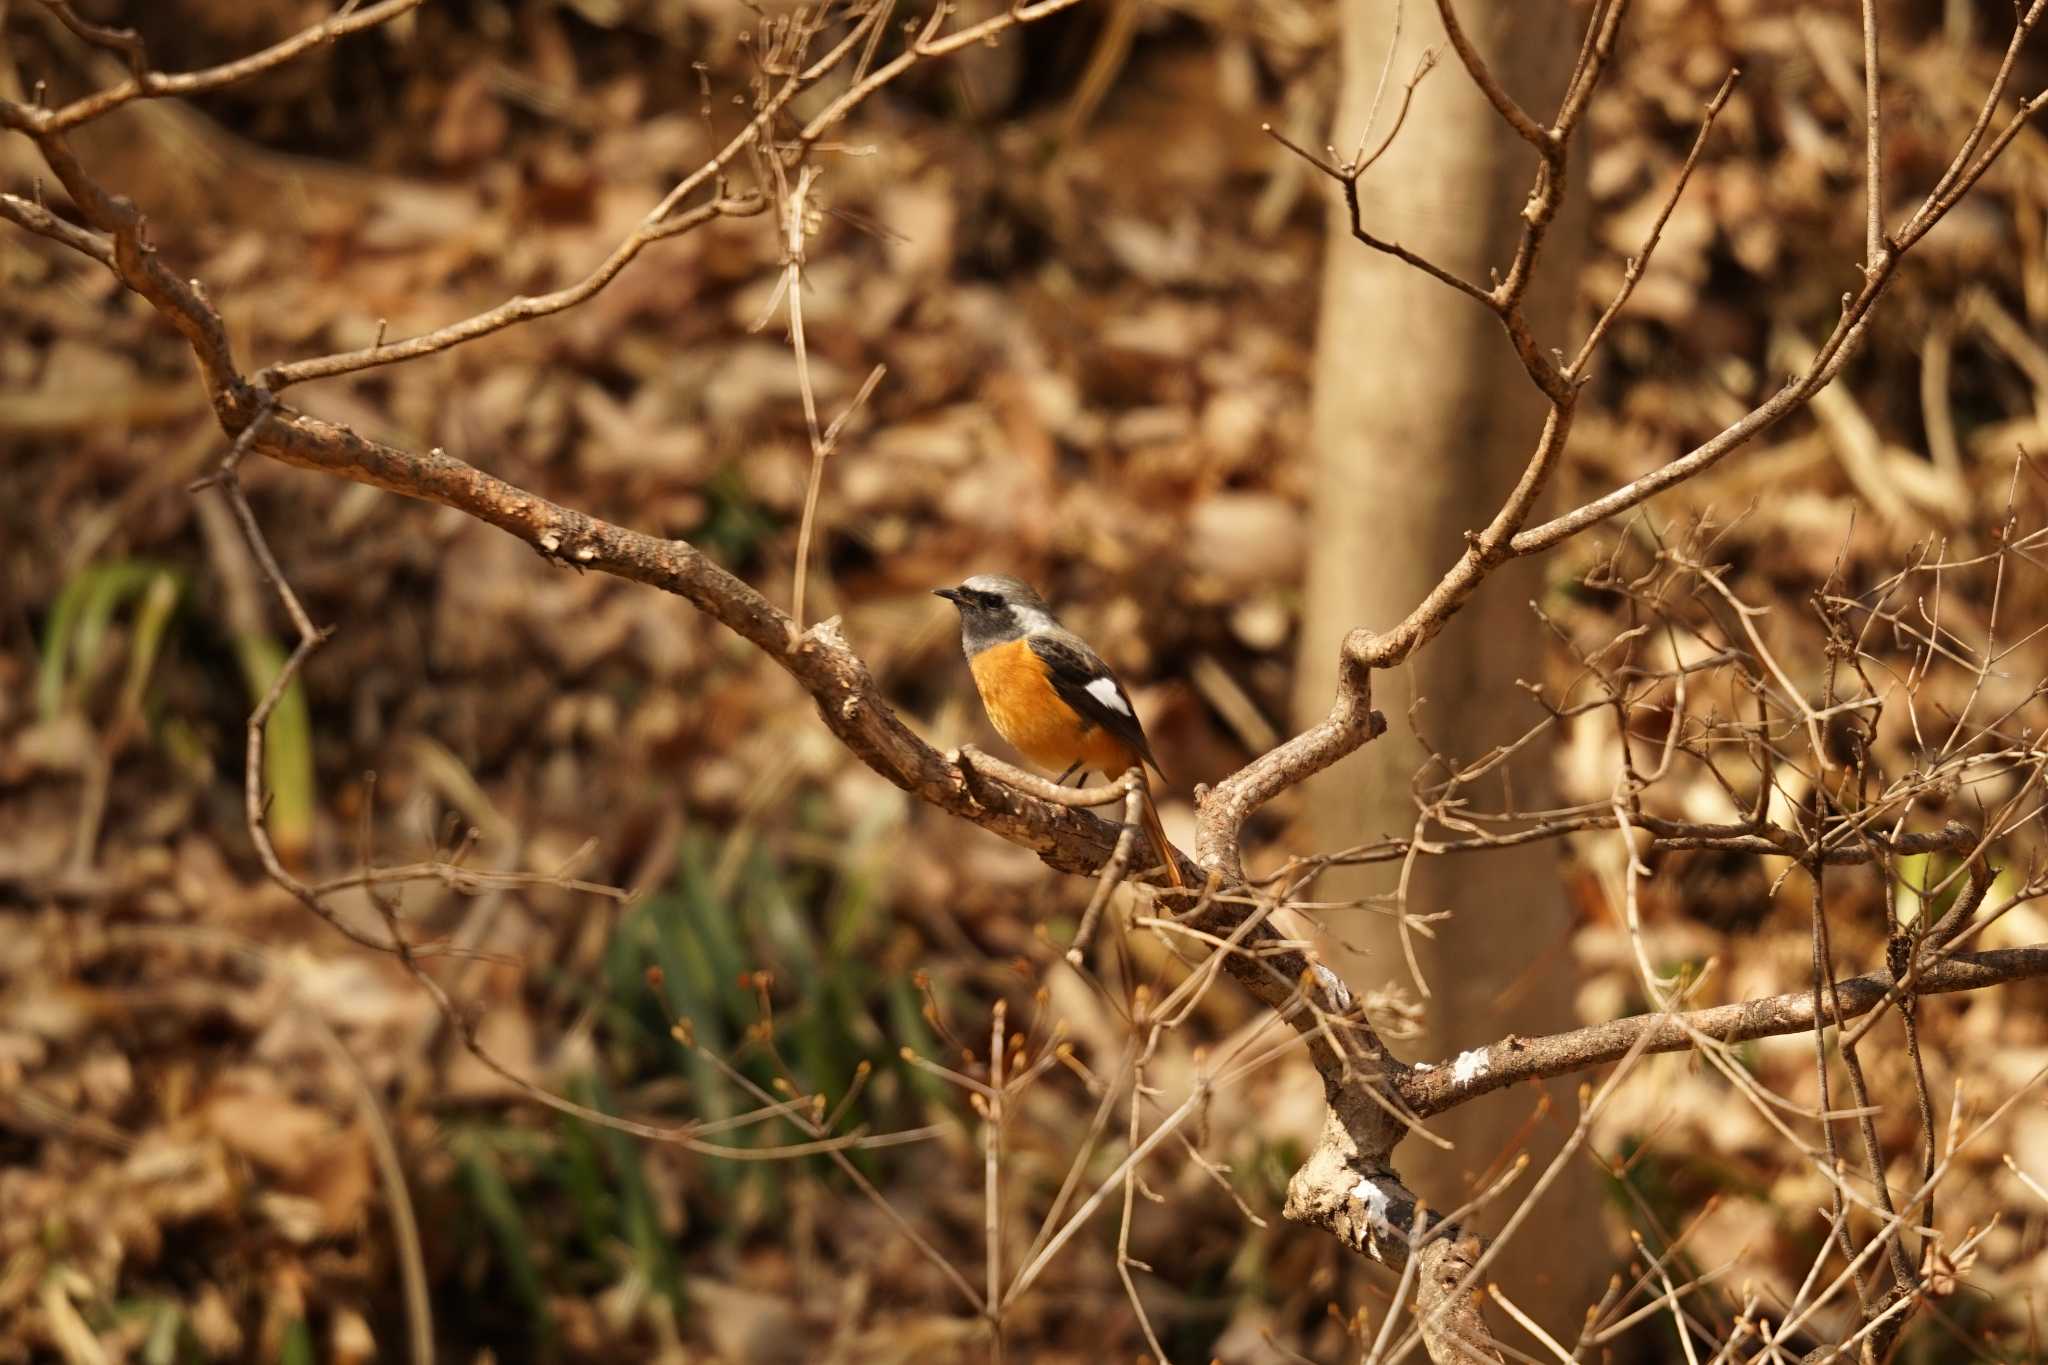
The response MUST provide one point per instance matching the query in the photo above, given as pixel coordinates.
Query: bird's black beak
(953, 595)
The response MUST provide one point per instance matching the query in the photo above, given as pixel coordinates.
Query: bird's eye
(988, 600)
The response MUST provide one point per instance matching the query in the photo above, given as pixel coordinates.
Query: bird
(1051, 696)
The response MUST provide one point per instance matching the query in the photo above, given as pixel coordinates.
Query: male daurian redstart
(1049, 694)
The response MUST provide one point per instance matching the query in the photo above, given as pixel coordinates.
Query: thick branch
(1431, 1089)
(1358, 1199)
(844, 691)
(847, 696)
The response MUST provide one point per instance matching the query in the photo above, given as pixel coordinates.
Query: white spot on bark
(1105, 691)
(1334, 987)
(1375, 1202)
(1470, 1066)
(586, 553)
(1422, 1066)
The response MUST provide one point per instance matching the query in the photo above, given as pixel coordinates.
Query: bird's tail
(1157, 831)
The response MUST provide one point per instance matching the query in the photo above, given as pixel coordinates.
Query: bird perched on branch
(1049, 694)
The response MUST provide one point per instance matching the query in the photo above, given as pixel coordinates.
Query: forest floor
(1097, 319)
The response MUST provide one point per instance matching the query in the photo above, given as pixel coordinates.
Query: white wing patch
(1106, 691)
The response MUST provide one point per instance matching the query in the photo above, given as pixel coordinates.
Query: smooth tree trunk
(1423, 420)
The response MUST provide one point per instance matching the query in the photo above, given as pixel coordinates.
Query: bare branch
(1526, 128)
(279, 377)
(44, 223)
(1434, 1088)
(125, 42)
(1947, 187)
(144, 83)
(1641, 260)
(1873, 142)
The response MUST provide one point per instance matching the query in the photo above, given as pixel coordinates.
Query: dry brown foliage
(1846, 716)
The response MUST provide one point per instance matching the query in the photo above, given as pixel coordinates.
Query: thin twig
(1873, 143)
(1641, 260)
(992, 1175)
(144, 83)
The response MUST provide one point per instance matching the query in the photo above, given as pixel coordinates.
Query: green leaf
(499, 1209)
(297, 1347)
(76, 630)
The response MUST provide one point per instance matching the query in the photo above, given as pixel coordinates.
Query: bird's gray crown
(996, 609)
(1015, 591)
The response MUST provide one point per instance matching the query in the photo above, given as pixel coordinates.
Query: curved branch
(39, 220)
(1431, 1089)
(514, 310)
(1516, 117)
(181, 302)
(144, 83)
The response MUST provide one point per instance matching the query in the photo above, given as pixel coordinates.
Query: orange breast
(1031, 715)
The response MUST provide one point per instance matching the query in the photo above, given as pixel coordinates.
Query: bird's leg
(1074, 768)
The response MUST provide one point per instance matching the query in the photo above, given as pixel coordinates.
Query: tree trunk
(1423, 420)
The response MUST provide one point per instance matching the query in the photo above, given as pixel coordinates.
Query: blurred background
(1099, 291)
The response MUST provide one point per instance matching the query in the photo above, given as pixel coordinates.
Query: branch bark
(1430, 1088)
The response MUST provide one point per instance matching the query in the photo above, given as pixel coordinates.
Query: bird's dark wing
(1085, 683)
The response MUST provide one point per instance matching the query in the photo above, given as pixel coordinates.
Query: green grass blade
(287, 744)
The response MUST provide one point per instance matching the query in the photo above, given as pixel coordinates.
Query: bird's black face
(974, 599)
(992, 610)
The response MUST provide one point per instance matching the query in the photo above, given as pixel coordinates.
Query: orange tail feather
(1157, 831)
